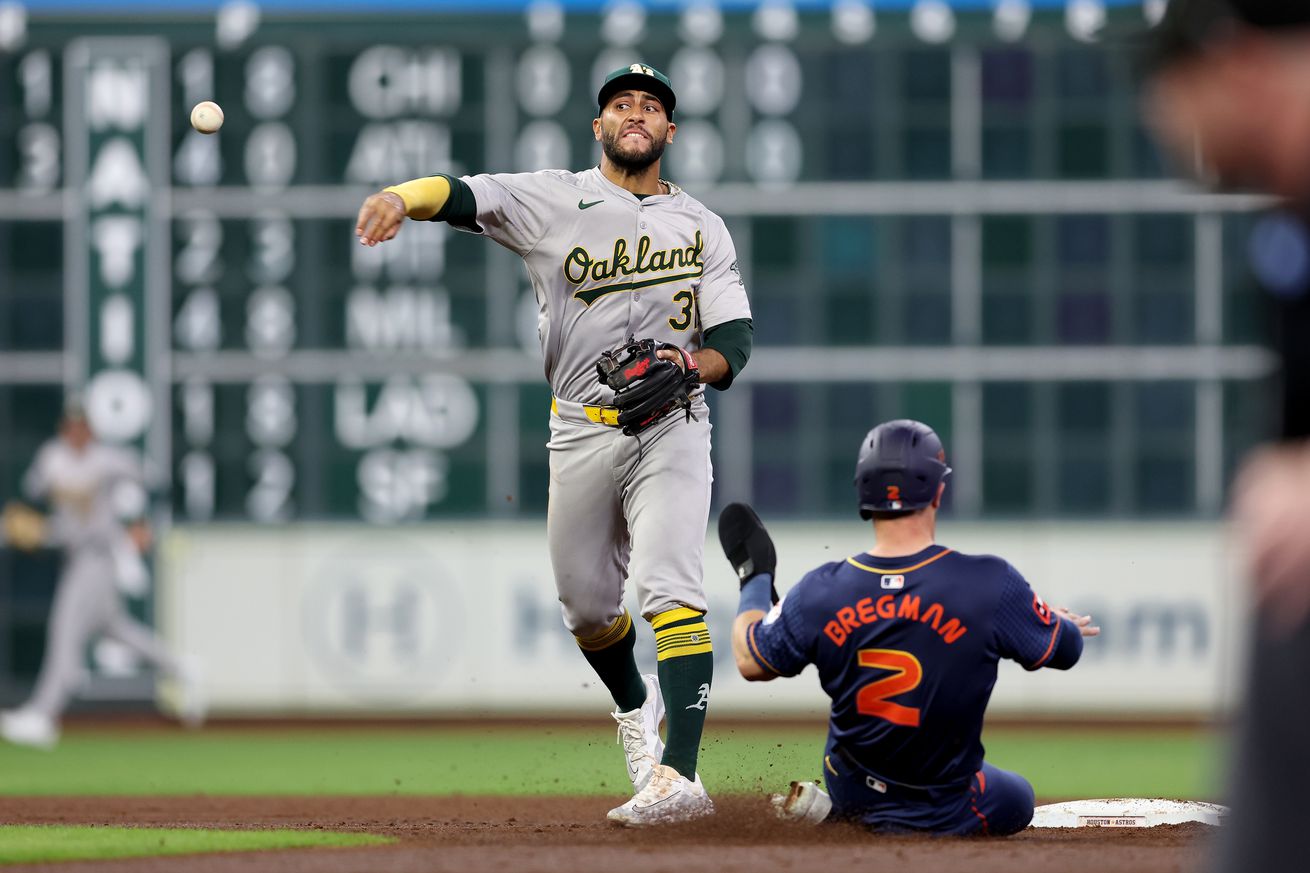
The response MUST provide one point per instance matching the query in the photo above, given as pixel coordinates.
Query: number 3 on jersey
(683, 319)
(906, 673)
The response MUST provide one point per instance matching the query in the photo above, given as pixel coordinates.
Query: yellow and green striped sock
(686, 670)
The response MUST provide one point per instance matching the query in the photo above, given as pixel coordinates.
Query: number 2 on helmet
(893, 492)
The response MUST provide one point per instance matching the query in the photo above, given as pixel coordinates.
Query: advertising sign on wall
(463, 618)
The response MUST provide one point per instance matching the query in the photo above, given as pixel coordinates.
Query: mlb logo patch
(893, 582)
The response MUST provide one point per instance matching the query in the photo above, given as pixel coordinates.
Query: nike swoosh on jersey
(582, 205)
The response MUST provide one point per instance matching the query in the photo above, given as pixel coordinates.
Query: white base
(1126, 812)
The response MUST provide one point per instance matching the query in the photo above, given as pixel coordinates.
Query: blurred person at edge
(1229, 97)
(80, 479)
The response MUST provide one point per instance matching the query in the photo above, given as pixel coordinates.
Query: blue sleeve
(1027, 631)
(779, 642)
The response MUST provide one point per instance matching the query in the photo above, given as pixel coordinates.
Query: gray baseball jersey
(606, 265)
(80, 488)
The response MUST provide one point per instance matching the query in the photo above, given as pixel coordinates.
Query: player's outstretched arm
(741, 651)
(383, 213)
(1037, 635)
(750, 550)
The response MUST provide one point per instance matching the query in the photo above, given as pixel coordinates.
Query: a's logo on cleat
(704, 698)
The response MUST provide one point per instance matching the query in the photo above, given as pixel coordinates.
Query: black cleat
(746, 543)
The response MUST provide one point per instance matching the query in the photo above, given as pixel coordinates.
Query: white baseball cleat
(26, 728)
(639, 734)
(806, 802)
(668, 797)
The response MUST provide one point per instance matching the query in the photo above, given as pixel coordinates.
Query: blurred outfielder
(906, 638)
(641, 303)
(79, 477)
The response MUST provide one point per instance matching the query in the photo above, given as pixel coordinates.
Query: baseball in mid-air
(207, 117)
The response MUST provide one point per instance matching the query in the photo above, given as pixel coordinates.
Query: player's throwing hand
(379, 218)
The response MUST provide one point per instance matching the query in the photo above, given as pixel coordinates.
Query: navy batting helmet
(901, 464)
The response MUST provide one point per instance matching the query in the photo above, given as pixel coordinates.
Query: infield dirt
(509, 835)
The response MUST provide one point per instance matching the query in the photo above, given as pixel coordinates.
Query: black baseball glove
(647, 387)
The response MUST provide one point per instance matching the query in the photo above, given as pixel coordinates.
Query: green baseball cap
(638, 77)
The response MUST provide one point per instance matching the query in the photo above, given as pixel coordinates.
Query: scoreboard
(931, 205)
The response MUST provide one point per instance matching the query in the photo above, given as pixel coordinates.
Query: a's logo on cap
(641, 68)
(893, 582)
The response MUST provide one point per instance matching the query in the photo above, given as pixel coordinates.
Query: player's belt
(606, 415)
(893, 790)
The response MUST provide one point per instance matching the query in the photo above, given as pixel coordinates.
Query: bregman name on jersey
(674, 264)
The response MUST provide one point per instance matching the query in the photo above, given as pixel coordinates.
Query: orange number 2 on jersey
(906, 673)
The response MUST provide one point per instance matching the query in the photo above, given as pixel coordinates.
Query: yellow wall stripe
(673, 615)
(617, 630)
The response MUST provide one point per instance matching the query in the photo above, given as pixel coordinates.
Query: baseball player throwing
(78, 477)
(906, 638)
(640, 304)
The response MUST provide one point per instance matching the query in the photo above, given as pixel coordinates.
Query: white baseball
(207, 117)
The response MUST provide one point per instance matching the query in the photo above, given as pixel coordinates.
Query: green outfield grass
(559, 760)
(32, 844)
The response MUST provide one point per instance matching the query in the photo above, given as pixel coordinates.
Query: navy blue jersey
(907, 649)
